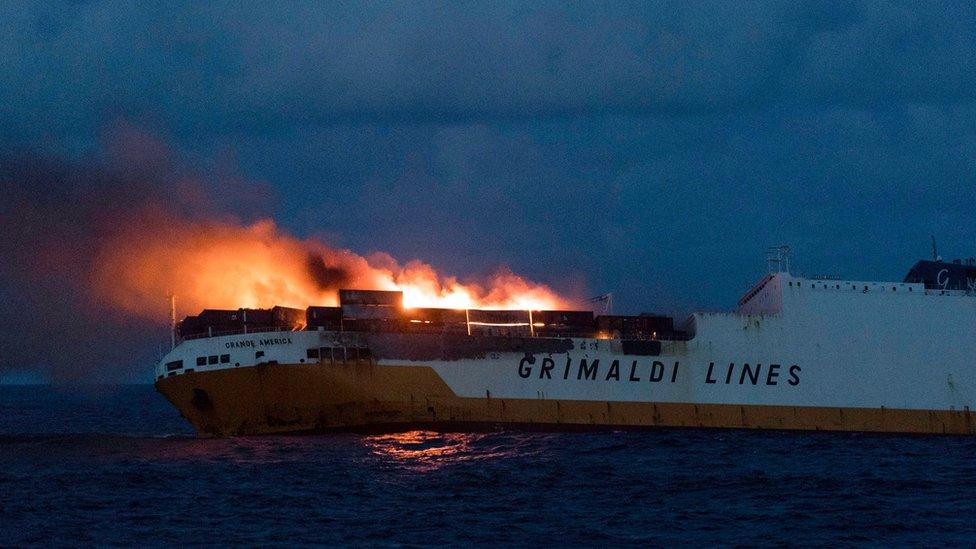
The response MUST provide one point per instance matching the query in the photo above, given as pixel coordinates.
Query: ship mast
(778, 259)
(606, 300)
(172, 321)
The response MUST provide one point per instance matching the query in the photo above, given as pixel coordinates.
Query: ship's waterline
(797, 354)
(311, 398)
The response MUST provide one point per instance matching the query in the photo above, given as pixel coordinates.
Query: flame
(226, 265)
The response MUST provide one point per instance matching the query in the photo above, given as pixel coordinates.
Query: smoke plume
(93, 248)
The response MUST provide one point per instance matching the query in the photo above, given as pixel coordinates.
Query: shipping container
(319, 313)
(660, 321)
(209, 323)
(435, 315)
(324, 317)
(220, 316)
(644, 326)
(361, 312)
(553, 330)
(499, 317)
(287, 317)
(519, 330)
(579, 319)
(434, 320)
(257, 317)
(189, 327)
(371, 297)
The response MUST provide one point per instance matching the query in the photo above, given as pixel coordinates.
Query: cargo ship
(814, 353)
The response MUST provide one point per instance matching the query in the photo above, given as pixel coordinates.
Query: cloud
(227, 67)
(651, 149)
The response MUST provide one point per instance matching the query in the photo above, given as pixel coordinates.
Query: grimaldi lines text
(797, 354)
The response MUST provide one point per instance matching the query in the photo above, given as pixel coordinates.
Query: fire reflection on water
(419, 451)
(428, 451)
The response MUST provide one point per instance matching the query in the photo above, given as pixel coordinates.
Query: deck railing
(241, 331)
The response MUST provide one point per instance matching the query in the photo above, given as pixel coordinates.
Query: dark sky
(649, 149)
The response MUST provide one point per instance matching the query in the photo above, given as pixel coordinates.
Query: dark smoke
(55, 215)
(328, 278)
(94, 246)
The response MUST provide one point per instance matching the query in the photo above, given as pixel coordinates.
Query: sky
(649, 149)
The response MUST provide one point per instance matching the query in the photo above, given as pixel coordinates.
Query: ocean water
(117, 465)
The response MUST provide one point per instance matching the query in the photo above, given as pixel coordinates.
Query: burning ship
(798, 353)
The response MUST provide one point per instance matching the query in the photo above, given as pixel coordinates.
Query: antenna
(778, 259)
(172, 321)
(935, 251)
(607, 301)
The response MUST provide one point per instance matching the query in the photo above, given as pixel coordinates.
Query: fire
(94, 245)
(228, 265)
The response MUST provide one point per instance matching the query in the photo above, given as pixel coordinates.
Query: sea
(117, 466)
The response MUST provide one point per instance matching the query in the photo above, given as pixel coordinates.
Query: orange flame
(229, 265)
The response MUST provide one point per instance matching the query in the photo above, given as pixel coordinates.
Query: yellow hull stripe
(306, 398)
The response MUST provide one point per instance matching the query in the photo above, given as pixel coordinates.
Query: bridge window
(312, 353)
(212, 359)
(258, 354)
(224, 359)
(175, 365)
(201, 361)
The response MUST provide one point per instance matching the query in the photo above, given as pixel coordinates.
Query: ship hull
(798, 354)
(308, 398)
